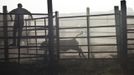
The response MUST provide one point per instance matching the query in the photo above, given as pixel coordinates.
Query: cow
(65, 45)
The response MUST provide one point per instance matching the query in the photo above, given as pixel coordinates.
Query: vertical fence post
(88, 32)
(27, 48)
(36, 37)
(45, 30)
(124, 48)
(57, 35)
(50, 32)
(5, 31)
(117, 25)
(46, 38)
(51, 55)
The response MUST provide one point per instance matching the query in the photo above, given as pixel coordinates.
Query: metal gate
(76, 39)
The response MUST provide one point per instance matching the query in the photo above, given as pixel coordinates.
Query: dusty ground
(67, 67)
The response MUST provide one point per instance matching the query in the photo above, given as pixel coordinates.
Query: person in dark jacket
(18, 22)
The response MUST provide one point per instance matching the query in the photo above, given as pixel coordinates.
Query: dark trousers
(17, 28)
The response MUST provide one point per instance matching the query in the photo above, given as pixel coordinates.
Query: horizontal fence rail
(36, 32)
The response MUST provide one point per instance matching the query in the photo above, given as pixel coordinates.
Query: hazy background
(65, 6)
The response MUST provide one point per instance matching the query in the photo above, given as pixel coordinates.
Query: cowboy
(18, 22)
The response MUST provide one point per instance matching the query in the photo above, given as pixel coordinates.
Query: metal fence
(76, 37)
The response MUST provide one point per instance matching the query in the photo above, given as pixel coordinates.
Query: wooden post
(88, 32)
(124, 51)
(51, 55)
(5, 31)
(117, 25)
(50, 32)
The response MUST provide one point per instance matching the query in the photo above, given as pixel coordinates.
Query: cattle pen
(87, 44)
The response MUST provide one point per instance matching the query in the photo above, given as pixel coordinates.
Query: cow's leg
(43, 46)
(81, 54)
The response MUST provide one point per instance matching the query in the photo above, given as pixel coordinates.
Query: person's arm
(11, 13)
(29, 13)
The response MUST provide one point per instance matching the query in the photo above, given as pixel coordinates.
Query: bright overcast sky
(65, 6)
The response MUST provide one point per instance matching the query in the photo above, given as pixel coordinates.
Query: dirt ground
(67, 67)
